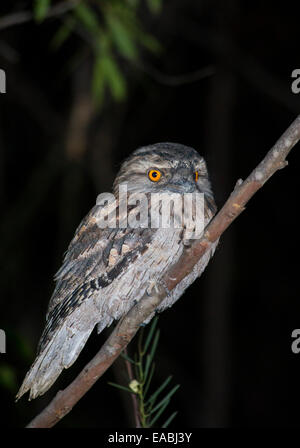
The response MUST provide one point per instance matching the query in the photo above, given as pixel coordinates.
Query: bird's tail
(59, 353)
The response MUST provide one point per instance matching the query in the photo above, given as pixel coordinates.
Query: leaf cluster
(113, 31)
(151, 404)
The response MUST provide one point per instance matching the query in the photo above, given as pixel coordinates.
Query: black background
(228, 339)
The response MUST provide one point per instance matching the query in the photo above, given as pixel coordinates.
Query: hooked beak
(182, 182)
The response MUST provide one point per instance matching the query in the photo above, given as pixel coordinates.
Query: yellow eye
(196, 174)
(154, 175)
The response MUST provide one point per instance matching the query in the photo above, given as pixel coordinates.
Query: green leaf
(123, 355)
(40, 9)
(22, 345)
(152, 353)
(133, 3)
(150, 334)
(167, 397)
(158, 414)
(119, 386)
(114, 78)
(122, 37)
(150, 42)
(148, 382)
(98, 80)
(159, 390)
(63, 32)
(154, 6)
(136, 365)
(168, 421)
(87, 16)
(8, 378)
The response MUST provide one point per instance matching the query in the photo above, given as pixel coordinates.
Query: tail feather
(60, 353)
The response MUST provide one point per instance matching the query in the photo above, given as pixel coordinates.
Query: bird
(107, 270)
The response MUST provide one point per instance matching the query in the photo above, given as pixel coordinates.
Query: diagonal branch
(125, 330)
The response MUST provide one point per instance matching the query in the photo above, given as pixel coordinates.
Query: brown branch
(64, 401)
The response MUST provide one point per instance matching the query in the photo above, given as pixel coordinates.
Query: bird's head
(164, 167)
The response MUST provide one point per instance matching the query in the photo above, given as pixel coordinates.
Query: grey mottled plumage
(106, 270)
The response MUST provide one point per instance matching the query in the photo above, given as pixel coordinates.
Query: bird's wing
(95, 258)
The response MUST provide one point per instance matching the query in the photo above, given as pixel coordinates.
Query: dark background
(227, 341)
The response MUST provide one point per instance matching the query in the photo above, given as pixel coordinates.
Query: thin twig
(20, 17)
(241, 62)
(64, 401)
(133, 396)
(175, 80)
